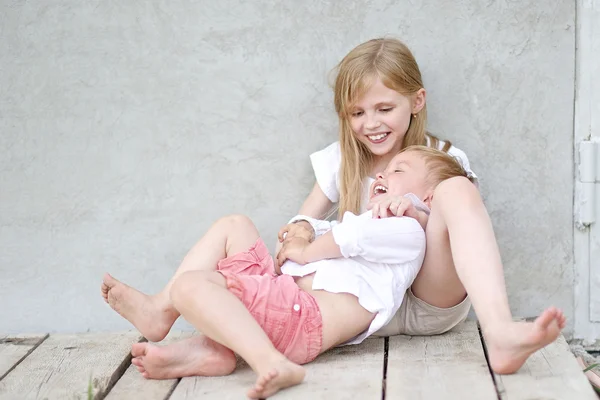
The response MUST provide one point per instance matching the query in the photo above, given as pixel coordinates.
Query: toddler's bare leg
(203, 299)
(194, 356)
(154, 315)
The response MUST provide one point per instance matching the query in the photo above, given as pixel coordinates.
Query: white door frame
(587, 172)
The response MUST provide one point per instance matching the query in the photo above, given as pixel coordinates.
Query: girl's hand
(293, 250)
(301, 229)
(388, 205)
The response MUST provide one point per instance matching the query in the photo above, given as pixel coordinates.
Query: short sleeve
(326, 164)
(464, 161)
(460, 156)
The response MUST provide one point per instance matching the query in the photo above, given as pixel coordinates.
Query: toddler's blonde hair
(440, 165)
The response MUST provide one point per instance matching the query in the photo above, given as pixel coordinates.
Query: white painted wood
(63, 365)
(133, 385)
(449, 366)
(584, 329)
(587, 125)
(551, 373)
(590, 53)
(348, 372)
(15, 348)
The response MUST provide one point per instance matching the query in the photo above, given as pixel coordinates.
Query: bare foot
(277, 376)
(151, 319)
(509, 347)
(195, 356)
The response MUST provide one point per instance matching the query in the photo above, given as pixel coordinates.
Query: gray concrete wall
(127, 127)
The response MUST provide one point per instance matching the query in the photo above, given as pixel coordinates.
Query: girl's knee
(456, 188)
(453, 199)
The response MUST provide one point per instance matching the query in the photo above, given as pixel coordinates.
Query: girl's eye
(398, 170)
(357, 114)
(386, 109)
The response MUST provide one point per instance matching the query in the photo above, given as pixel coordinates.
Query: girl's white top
(327, 162)
(381, 259)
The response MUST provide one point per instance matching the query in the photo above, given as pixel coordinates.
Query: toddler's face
(406, 173)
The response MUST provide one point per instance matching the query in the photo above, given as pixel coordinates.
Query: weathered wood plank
(13, 349)
(231, 387)
(133, 385)
(550, 373)
(62, 366)
(347, 372)
(449, 366)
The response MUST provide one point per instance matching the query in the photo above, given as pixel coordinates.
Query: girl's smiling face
(382, 116)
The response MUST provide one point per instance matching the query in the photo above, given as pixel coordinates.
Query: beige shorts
(416, 317)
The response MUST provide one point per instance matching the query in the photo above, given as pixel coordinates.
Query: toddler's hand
(388, 205)
(293, 250)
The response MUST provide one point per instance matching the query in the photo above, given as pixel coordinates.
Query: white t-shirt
(381, 259)
(327, 163)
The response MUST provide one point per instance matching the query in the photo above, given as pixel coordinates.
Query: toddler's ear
(428, 199)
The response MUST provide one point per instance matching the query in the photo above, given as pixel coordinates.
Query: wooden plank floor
(450, 366)
(14, 349)
(550, 373)
(439, 367)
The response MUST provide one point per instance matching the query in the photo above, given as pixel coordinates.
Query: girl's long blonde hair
(392, 62)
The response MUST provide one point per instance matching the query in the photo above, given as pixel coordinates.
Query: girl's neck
(380, 162)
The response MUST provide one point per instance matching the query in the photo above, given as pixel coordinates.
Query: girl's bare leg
(154, 315)
(462, 257)
(203, 300)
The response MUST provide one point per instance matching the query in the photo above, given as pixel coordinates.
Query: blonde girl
(381, 104)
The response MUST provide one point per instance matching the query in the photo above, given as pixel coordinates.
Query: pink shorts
(288, 315)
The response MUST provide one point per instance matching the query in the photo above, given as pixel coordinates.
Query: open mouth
(379, 189)
(378, 138)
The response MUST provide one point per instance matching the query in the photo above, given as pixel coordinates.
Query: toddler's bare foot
(195, 356)
(510, 346)
(279, 375)
(151, 319)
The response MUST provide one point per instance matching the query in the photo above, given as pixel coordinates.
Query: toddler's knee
(236, 221)
(188, 285)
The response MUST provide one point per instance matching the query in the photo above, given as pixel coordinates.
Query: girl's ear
(419, 101)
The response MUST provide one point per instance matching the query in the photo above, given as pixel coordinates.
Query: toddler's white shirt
(381, 259)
